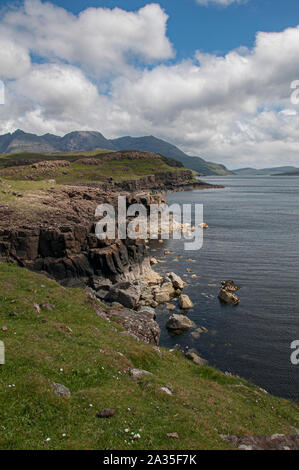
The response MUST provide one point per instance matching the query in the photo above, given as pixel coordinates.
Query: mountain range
(265, 171)
(20, 141)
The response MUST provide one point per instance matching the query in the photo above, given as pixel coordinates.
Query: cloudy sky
(211, 76)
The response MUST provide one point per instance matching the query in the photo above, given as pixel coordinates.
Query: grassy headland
(71, 345)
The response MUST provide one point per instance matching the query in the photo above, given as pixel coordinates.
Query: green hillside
(52, 334)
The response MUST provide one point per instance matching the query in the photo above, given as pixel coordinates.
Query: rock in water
(185, 302)
(226, 293)
(178, 323)
(230, 286)
(177, 282)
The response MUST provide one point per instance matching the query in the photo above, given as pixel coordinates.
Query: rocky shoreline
(58, 239)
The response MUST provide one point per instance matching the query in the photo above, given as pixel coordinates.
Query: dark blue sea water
(253, 238)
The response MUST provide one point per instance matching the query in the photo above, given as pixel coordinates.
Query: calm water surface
(253, 238)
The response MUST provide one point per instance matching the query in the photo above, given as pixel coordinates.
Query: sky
(211, 76)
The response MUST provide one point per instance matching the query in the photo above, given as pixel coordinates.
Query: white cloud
(101, 40)
(234, 109)
(14, 59)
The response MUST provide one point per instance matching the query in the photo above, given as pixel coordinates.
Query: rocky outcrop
(271, 442)
(137, 324)
(62, 243)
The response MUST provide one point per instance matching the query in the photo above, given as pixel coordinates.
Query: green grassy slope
(15, 167)
(73, 346)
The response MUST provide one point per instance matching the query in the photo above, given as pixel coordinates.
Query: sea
(253, 239)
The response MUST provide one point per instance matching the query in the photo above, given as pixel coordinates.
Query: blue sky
(213, 79)
(214, 28)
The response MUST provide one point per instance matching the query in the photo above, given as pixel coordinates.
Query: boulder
(177, 282)
(125, 293)
(179, 323)
(137, 374)
(230, 286)
(192, 356)
(185, 302)
(164, 292)
(228, 297)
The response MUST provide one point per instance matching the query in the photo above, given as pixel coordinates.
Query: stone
(179, 323)
(170, 307)
(203, 225)
(185, 302)
(177, 282)
(60, 390)
(164, 292)
(192, 356)
(137, 374)
(148, 311)
(173, 435)
(106, 413)
(230, 286)
(126, 293)
(166, 390)
(153, 261)
(47, 306)
(228, 297)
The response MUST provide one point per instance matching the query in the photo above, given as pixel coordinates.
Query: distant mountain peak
(74, 141)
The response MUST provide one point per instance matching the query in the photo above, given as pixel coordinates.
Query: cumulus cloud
(235, 109)
(101, 40)
(14, 59)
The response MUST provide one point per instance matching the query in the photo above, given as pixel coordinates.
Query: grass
(120, 170)
(73, 346)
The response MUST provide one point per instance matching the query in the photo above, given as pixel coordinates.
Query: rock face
(226, 293)
(63, 243)
(179, 323)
